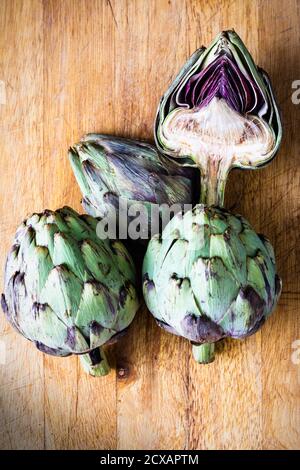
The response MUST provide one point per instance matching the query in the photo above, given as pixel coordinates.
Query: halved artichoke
(219, 113)
(66, 290)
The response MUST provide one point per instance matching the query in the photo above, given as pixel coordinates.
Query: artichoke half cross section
(219, 113)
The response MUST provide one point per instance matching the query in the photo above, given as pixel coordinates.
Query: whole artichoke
(210, 276)
(112, 170)
(66, 290)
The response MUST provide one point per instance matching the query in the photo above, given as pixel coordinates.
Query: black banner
(132, 459)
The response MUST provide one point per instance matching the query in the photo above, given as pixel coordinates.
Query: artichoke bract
(219, 113)
(66, 290)
(210, 276)
(109, 169)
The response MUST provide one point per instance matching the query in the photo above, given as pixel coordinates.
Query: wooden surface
(71, 67)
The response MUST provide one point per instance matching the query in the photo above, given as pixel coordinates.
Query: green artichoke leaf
(179, 303)
(268, 271)
(37, 271)
(66, 251)
(28, 244)
(256, 277)
(100, 263)
(150, 293)
(76, 165)
(218, 226)
(164, 244)
(236, 223)
(92, 223)
(62, 292)
(199, 242)
(45, 327)
(97, 304)
(128, 303)
(13, 262)
(221, 287)
(33, 221)
(175, 261)
(247, 310)
(99, 335)
(18, 302)
(57, 219)
(80, 229)
(45, 235)
(230, 249)
(123, 261)
(153, 256)
(268, 247)
(253, 243)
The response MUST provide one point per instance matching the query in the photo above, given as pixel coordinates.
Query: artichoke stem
(214, 173)
(204, 353)
(95, 363)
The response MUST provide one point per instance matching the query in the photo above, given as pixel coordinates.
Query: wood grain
(79, 412)
(280, 220)
(22, 378)
(76, 66)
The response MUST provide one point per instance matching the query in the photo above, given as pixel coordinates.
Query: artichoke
(66, 290)
(210, 276)
(219, 113)
(111, 169)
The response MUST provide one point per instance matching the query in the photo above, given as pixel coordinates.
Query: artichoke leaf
(62, 292)
(96, 304)
(221, 287)
(66, 251)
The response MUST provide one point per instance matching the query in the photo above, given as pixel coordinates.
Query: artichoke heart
(218, 130)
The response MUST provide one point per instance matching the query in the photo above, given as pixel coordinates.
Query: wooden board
(76, 66)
